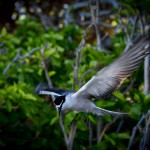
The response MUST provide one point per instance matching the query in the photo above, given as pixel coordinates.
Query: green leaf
(51, 73)
(3, 31)
(108, 138)
(105, 104)
(9, 105)
(93, 63)
(53, 120)
(15, 40)
(135, 111)
(27, 96)
(40, 71)
(123, 135)
(50, 52)
(147, 99)
(81, 125)
(137, 97)
(30, 97)
(119, 95)
(91, 118)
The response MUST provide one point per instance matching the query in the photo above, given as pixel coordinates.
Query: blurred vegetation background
(64, 43)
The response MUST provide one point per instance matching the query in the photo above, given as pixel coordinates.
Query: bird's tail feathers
(100, 111)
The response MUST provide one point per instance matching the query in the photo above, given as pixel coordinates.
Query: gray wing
(109, 78)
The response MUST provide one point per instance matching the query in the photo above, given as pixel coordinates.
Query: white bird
(105, 82)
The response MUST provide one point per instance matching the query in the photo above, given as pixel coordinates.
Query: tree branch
(106, 127)
(18, 57)
(45, 67)
(95, 20)
(134, 131)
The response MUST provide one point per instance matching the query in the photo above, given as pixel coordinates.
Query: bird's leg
(73, 120)
(87, 121)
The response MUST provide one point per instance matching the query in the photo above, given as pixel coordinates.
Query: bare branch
(76, 67)
(147, 75)
(10, 64)
(80, 5)
(18, 57)
(106, 127)
(129, 86)
(134, 27)
(90, 133)
(145, 139)
(45, 67)
(13, 107)
(30, 53)
(98, 37)
(83, 76)
(99, 127)
(95, 20)
(63, 130)
(97, 11)
(120, 125)
(72, 136)
(141, 22)
(134, 131)
(100, 13)
(99, 24)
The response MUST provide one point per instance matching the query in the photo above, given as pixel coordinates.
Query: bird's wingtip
(104, 112)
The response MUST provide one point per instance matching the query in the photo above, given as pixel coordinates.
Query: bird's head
(59, 101)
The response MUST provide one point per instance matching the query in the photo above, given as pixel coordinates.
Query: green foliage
(32, 117)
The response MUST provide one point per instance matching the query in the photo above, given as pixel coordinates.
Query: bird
(102, 84)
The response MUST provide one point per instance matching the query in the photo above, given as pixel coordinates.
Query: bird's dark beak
(59, 109)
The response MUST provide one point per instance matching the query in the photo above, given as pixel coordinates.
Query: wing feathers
(109, 78)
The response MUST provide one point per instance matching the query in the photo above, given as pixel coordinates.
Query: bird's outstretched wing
(109, 78)
(44, 89)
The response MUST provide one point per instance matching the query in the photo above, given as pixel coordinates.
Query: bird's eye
(57, 102)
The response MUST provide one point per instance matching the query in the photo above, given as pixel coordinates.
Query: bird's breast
(80, 104)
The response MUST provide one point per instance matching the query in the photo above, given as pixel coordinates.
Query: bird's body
(72, 103)
(101, 85)
(82, 104)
